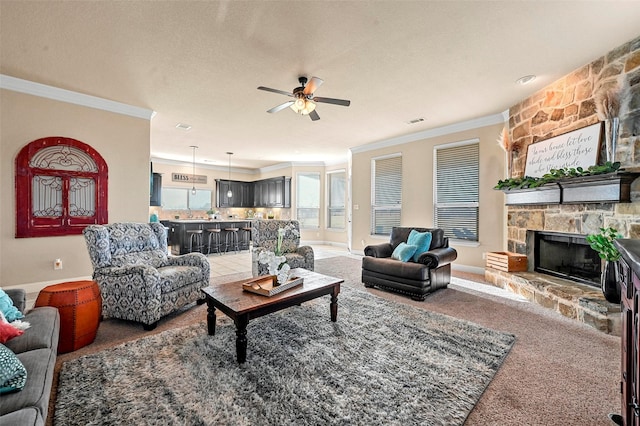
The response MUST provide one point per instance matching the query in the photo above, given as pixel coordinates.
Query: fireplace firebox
(564, 255)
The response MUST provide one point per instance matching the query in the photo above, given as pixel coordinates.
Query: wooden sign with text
(188, 178)
(578, 148)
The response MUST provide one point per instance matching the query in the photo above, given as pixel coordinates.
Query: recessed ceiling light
(526, 79)
(415, 120)
(183, 126)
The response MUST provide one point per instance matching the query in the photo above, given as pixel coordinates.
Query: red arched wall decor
(61, 187)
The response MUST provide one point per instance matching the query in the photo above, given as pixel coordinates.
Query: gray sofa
(37, 350)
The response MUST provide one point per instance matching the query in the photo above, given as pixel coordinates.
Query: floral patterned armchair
(138, 280)
(264, 236)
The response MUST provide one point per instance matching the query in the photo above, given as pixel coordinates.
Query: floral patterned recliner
(264, 236)
(138, 280)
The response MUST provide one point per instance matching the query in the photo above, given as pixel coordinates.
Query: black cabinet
(244, 194)
(241, 193)
(155, 198)
(222, 187)
(629, 280)
(273, 192)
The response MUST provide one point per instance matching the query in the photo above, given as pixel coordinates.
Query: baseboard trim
(35, 287)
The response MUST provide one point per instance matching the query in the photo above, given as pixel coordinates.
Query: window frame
(27, 224)
(329, 206)
(468, 204)
(188, 197)
(319, 200)
(384, 207)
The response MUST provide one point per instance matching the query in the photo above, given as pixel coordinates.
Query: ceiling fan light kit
(305, 100)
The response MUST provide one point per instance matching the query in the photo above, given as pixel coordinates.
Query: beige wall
(417, 192)
(122, 141)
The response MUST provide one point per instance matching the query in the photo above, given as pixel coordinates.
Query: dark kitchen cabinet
(273, 192)
(245, 194)
(629, 280)
(222, 187)
(155, 198)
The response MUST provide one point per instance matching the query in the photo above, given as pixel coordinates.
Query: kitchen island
(179, 237)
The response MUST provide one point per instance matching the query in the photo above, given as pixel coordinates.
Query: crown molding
(476, 123)
(278, 166)
(225, 169)
(42, 90)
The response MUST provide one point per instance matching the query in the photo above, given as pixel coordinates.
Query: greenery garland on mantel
(556, 175)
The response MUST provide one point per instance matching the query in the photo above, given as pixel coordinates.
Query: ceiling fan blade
(314, 115)
(312, 85)
(281, 92)
(280, 107)
(342, 102)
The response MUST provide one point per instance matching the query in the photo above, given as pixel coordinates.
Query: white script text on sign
(571, 150)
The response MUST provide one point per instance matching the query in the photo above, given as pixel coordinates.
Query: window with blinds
(386, 194)
(456, 190)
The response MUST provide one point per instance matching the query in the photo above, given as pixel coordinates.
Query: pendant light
(229, 193)
(193, 171)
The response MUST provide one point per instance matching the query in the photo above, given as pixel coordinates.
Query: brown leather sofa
(430, 272)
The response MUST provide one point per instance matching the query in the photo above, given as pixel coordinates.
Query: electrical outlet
(57, 264)
(356, 206)
(484, 255)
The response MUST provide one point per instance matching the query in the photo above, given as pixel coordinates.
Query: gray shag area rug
(382, 363)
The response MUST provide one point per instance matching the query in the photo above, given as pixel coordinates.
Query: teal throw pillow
(13, 375)
(403, 252)
(422, 240)
(10, 312)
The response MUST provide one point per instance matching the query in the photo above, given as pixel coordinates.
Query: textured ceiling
(200, 63)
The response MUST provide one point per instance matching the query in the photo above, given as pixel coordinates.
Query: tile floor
(231, 263)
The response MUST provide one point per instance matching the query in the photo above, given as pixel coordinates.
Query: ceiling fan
(304, 99)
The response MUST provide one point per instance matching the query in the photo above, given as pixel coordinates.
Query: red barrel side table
(80, 306)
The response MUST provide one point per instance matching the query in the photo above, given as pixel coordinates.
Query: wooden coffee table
(242, 306)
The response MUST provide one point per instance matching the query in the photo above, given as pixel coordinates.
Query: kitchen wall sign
(188, 178)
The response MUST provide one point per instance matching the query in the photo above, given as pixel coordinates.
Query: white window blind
(457, 198)
(386, 194)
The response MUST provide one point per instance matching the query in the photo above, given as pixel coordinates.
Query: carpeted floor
(559, 372)
(382, 363)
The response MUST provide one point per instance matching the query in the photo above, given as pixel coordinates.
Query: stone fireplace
(564, 255)
(571, 291)
(568, 104)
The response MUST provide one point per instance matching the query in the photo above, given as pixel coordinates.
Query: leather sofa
(37, 351)
(417, 278)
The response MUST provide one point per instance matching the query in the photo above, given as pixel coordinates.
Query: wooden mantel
(604, 188)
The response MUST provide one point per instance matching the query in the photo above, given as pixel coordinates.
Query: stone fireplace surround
(565, 105)
(574, 300)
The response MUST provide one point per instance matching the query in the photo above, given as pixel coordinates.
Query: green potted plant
(210, 213)
(602, 243)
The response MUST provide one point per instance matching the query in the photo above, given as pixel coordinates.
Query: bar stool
(195, 235)
(231, 233)
(245, 237)
(214, 233)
